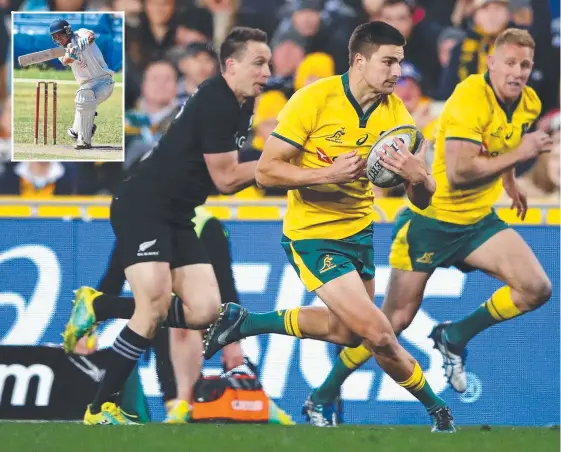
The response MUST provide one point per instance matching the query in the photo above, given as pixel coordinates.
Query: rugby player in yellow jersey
(480, 138)
(318, 152)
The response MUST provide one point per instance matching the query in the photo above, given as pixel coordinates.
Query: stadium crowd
(170, 51)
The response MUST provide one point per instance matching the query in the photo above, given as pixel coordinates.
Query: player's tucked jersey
(324, 120)
(90, 64)
(174, 179)
(474, 113)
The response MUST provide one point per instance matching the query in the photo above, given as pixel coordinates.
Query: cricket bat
(43, 55)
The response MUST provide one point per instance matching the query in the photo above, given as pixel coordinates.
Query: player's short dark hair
(368, 37)
(235, 43)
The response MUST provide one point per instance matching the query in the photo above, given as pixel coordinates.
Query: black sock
(176, 316)
(164, 367)
(126, 350)
(113, 307)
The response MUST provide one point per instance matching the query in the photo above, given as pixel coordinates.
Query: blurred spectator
(37, 179)
(98, 178)
(409, 90)
(287, 56)
(55, 5)
(6, 118)
(5, 50)
(267, 108)
(372, 10)
(6, 130)
(196, 62)
(447, 40)
(315, 66)
(545, 75)
(155, 34)
(224, 14)
(156, 108)
(196, 25)
(542, 180)
(490, 18)
(318, 26)
(421, 48)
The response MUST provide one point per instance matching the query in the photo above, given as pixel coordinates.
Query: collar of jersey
(509, 111)
(362, 116)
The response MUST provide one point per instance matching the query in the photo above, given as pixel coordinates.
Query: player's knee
(153, 312)
(400, 321)
(380, 341)
(378, 334)
(342, 335)
(85, 98)
(538, 292)
(202, 312)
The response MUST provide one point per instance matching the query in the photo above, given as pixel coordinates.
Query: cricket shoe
(442, 421)
(81, 144)
(313, 412)
(110, 414)
(225, 330)
(74, 135)
(453, 362)
(82, 320)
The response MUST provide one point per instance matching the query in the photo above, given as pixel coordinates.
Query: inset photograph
(67, 86)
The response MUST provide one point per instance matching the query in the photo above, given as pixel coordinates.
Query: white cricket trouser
(87, 98)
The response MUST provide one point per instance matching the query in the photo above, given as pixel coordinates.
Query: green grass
(52, 74)
(109, 120)
(58, 437)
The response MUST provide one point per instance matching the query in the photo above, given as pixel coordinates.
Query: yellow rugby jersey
(474, 113)
(324, 120)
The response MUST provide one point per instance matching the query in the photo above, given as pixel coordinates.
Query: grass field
(52, 74)
(58, 437)
(109, 120)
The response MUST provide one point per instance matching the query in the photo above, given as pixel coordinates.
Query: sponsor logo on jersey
(336, 137)
(146, 245)
(322, 156)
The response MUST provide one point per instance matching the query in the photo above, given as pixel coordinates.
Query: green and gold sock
(279, 322)
(421, 390)
(347, 362)
(496, 309)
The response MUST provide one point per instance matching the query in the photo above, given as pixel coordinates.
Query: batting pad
(85, 114)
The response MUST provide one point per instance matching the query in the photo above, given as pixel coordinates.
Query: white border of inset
(63, 82)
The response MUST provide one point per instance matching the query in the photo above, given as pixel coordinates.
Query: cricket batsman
(90, 71)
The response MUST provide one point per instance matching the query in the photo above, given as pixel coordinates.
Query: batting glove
(72, 52)
(83, 43)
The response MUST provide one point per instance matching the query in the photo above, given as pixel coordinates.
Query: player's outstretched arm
(274, 168)
(467, 166)
(230, 176)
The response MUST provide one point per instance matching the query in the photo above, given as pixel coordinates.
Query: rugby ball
(380, 176)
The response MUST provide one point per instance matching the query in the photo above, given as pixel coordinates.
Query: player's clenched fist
(346, 168)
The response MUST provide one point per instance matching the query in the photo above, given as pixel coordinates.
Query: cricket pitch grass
(107, 143)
